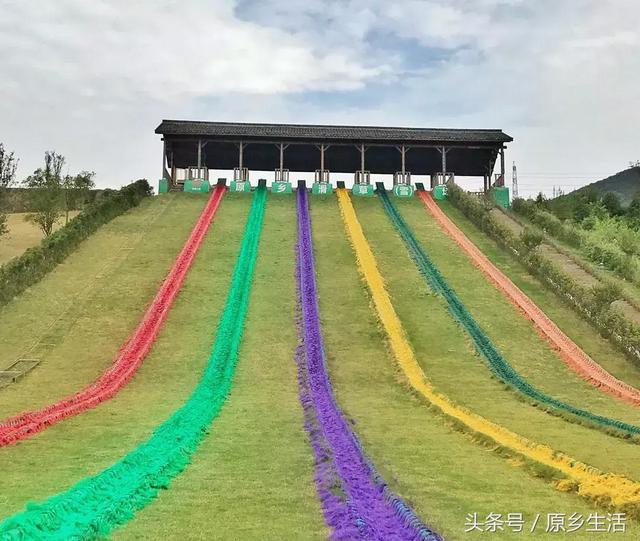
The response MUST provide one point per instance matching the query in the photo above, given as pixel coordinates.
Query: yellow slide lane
(604, 488)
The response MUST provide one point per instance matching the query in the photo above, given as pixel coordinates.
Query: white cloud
(92, 79)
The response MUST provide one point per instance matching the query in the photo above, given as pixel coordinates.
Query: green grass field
(450, 361)
(253, 475)
(564, 316)
(22, 235)
(439, 470)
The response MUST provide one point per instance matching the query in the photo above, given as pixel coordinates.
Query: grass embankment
(92, 507)
(564, 316)
(567, 254)
(86, 444)
(252, 477)
(449, 359)
(77, 317)
(439, 471)
(23, 234)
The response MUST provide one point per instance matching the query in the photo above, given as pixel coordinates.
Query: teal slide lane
(497, 363)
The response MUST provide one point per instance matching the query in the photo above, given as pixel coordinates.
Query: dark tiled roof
(236, 130)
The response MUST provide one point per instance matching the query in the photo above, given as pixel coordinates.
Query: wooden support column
(164, 154)
(281, 145)
(444, 163)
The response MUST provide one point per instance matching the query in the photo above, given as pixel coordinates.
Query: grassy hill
(624, 184)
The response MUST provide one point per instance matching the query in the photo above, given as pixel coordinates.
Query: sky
(92, 80)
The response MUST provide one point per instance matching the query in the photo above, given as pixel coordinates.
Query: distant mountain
(625, 184)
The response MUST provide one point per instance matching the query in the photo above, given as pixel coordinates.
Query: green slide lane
(451, 363)
(89, 443)
(252, 478)
(440, 471)
(95, 505)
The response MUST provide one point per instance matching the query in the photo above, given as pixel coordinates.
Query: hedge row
(23, 271)
(610, 256)
(593, 304)
(582, 262)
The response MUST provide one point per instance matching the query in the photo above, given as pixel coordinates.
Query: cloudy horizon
(93, 80)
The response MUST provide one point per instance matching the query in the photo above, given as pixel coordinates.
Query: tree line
(51, 193)
(588, 205)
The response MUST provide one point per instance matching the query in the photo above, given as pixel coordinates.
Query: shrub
(530, 239)
(604, 295)
(23, 271)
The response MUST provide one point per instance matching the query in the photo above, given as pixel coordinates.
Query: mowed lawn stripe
(252, 477)
(87, 444)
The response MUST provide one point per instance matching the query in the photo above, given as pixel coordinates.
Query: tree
(587, 202)
(76, 189)
(8, 166)
(634, 207)
(46, 192)
(530, 239)
(541, 200)
(605, 294)
(612, 203)
(581, 211)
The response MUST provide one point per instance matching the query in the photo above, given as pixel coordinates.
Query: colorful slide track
(356, 501)
(568, 350)
(94, 506)
(605, 489)
(131, 354)
(500, 367)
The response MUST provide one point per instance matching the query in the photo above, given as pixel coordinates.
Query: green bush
(604, 295)
(607, 242)
(530, 239)
(23, 271)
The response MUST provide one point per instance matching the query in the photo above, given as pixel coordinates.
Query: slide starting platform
(197, 186)
(362, 184)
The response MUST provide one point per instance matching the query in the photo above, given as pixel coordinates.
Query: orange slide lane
(568, 350)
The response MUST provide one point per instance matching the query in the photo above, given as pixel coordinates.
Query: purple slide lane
(357, 503)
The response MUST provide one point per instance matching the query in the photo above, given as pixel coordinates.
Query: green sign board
(501, 196)
(440, 192)
(196, 186)
(403, 190)
(362, 189)
(281, 187)
(321, 188)
(240, 186)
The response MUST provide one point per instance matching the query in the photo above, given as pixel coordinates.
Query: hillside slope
(624, 184)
